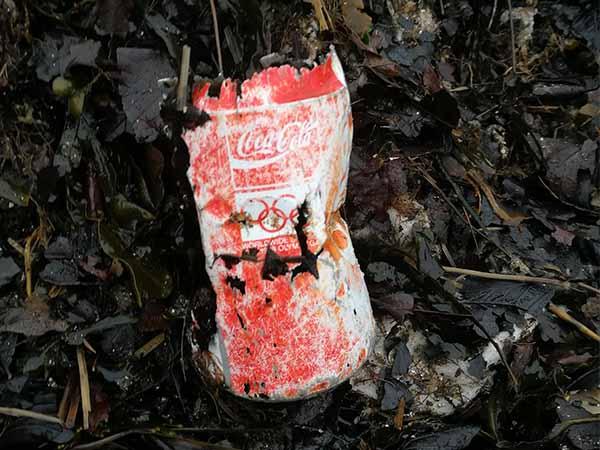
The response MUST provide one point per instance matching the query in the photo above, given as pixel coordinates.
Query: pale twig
(16, 412)
(181, 344)
(183, 78)
(18, 247)
(558, 429)
(438, 313)
(563, 426)
(569, 204)
(520, 278)
(64, 402)
(84, 386)
(108, 439)
(562, 313)
(73, 408)
(101, 443)
(87, 345)
(213, 10)
(589, 288)
(512, 38)
(399, 417)
(320, 12)
(30, 244)
(507, 277)
(4, 71)
(493, 14)
(149, 346)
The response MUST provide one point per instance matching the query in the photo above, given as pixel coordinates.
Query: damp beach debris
(472, 204)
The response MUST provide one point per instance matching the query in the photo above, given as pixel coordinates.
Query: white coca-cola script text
(265, 143)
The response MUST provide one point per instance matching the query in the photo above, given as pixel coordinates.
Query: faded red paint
(319, 387)
(283, 143)
(284, 84)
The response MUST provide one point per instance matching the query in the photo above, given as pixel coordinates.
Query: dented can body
(269, 173)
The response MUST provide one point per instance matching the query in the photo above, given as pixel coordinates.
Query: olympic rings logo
(273, 215)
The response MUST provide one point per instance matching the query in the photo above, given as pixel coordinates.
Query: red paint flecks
(362, 355)
(275, 85)
(217, 206)
(319, 387)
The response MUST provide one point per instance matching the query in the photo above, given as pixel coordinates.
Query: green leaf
(150, 280)
(128, 214)
(12, 192)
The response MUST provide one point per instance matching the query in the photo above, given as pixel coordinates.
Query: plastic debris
(269, 173)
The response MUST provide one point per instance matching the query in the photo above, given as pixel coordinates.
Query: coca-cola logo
(264, 144)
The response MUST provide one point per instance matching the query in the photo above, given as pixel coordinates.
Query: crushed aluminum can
(269, 173)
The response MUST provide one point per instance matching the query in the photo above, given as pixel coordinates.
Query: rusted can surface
(269, 173)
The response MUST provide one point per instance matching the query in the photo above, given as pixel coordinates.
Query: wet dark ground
(476, 147)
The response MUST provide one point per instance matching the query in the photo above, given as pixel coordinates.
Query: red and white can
(269, 173)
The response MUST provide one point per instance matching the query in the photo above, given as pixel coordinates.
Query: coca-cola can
(269, 173)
